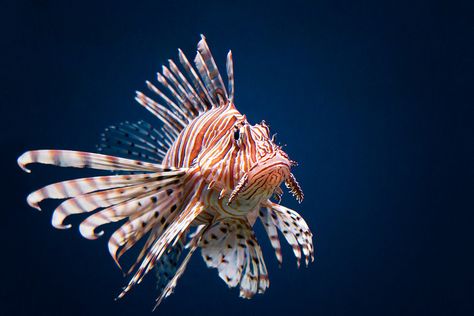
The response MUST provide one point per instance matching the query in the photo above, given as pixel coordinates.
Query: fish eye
(236, 134)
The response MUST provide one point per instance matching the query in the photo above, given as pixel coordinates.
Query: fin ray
(80, 159)
(230, 246)
(292, 226)
(169, 237)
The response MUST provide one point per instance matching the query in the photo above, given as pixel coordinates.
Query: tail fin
(230, 246)
(167, 266)
(178, 272)
(292, 226)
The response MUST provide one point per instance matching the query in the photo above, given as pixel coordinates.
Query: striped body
(207, 145)
(207, 170)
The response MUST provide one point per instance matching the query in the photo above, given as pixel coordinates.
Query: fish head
(268, 166)
(250, 166)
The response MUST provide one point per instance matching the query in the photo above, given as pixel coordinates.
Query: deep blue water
(373, 99)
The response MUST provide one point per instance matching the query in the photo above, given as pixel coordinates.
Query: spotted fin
(192, 246)
(169, 238)
(147, 202)
(167, 266)
(292, 226)
(155, 214)
(272, 233)
(230, 246)
(134, 140)
(72, 188)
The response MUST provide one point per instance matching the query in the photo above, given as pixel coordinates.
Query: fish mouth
(263, 178)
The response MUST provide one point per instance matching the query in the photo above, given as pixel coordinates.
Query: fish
(199, 181)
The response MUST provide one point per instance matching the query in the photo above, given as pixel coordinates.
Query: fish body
(204, 150)
(200, 182)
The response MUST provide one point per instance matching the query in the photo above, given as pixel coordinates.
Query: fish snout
(262, 179)
(274, 169)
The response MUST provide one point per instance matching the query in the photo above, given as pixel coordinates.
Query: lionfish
(200, 181)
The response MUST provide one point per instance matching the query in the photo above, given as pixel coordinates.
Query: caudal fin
(174, 271)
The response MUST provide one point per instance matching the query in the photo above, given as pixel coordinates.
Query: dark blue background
(373, 98)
